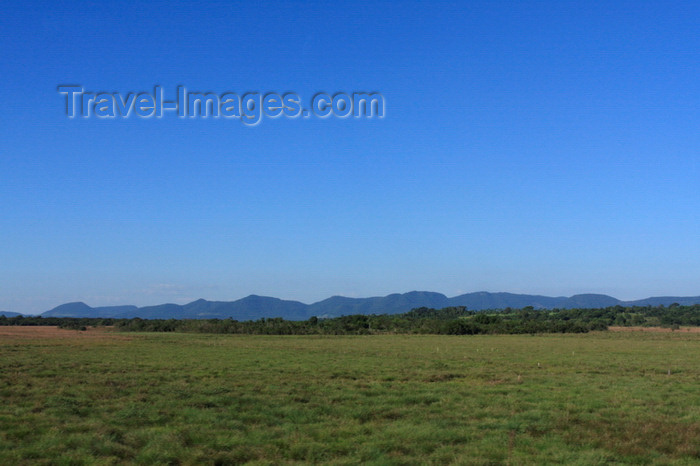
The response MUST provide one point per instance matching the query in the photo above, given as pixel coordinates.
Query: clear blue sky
(534, 147)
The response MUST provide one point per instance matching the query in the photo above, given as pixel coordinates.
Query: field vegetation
(102, 396)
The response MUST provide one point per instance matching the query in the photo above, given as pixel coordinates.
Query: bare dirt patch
(45, 332)
(655, 329)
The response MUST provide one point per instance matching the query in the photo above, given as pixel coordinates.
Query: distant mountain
(255, 307)
(70, 310)
(83, 310)
(161, 311)
(483, 300)
(9, 314)
(666, 301)
(591, 301)
(250, 308)
(392, 304)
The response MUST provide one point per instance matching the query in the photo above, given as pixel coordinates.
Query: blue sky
(533, 147)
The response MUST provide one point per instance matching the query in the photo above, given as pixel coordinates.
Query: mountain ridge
(254, 307)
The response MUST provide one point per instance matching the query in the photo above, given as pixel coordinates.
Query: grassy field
(73, 397)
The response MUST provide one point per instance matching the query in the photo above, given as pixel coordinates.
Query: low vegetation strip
(656, 329)
(447, 321)
(49, 332)
(183, 398)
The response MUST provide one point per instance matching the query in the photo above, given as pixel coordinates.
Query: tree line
(457, 320)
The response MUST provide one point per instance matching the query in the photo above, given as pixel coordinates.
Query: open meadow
(104, 397)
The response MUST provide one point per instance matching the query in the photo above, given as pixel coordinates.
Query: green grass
(220, 399)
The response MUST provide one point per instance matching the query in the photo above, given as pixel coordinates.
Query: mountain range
(255, 307)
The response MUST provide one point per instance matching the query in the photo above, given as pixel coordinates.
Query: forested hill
(255, 307)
